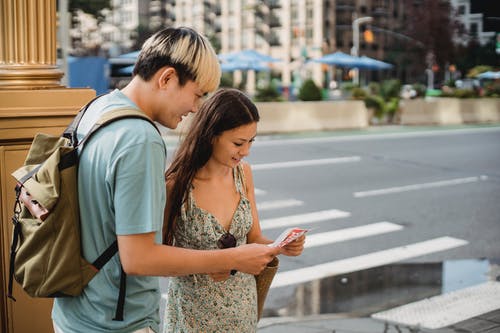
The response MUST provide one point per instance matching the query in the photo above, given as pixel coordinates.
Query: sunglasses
(227, 241)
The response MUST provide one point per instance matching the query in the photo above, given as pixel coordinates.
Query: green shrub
(226, 80)
(390, 89)
(464, 93)
(492, 90)
(348, 86)
(376, 103)
(359, 93)
(268, 93)
(391, 107)
(309, 91)
(475, 71)
(374, 88)
(420, 89)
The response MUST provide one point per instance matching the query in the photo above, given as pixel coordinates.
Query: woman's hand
(294, 248)
(220, 276)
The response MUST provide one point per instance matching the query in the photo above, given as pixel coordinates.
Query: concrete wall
(285, 117)
(450, 111)
(311, 116)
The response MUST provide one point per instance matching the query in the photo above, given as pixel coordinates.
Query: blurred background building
(413, 35)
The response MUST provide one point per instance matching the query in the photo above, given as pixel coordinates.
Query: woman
(212, 205)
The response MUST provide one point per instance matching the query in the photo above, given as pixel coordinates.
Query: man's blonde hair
(184, 49)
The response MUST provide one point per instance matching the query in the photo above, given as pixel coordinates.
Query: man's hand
(253, 258)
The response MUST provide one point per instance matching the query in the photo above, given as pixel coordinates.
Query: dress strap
(239, 179)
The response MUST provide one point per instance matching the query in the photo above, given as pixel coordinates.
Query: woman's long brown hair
(225, 110)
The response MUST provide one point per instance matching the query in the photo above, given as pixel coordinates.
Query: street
(396, 215)
(376, 199)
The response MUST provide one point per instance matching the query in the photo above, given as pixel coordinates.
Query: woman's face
(233, 145)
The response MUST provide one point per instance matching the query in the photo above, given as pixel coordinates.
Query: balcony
(274, 21)
(273, 4)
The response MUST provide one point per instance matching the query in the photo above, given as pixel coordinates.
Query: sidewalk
(338, 323)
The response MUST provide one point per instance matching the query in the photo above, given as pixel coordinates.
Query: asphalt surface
(387, 190)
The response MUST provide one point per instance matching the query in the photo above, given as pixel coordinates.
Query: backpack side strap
(99, 263)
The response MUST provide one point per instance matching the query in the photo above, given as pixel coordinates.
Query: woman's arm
(255, 235)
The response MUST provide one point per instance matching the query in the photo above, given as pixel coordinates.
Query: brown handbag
(263, 282)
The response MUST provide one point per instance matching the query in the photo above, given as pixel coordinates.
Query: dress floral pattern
(196, 303)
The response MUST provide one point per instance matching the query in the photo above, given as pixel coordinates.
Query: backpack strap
(70, 131)
(117, 114)
(99, 263)
(106, 119)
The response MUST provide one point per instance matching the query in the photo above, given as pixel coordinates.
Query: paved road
(396, 214)
(427, 198)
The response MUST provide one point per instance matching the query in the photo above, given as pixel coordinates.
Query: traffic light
(368, 36)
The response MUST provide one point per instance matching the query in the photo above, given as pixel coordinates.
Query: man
(122, 190)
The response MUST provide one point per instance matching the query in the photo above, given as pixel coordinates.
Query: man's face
(177, 102)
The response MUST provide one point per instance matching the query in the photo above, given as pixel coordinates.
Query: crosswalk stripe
(365, 261)
(268, 205)
(292, 164)
(259, 191)
(341, 235)
(447, 309)
(390, 190)
(301, 220)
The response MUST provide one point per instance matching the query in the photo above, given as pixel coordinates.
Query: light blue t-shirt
(121, 191)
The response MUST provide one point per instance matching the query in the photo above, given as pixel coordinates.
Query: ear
(166, 74)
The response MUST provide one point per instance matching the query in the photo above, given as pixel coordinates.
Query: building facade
(474, 21)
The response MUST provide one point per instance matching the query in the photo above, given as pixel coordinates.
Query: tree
(473, 54)
(430, 22)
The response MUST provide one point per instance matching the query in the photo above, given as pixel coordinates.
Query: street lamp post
(355, 42)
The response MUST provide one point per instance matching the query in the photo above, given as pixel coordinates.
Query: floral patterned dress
(196, 303)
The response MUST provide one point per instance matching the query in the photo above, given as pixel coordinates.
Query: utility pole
(356, 22)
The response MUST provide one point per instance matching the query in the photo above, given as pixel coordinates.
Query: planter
(285, 117)
(450, 111)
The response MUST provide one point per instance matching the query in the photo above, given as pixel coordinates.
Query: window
(473, 29)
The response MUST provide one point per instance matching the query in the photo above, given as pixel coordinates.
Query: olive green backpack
(46, 256)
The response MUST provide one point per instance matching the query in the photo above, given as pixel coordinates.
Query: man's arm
(140, 255)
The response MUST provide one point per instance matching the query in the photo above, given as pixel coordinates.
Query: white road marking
(366, 261)
(447, 309)
(341, 235)
(374, 136)
(303, 163)
(302, 220)
(259, 191)
(276, 204)
(421, 186)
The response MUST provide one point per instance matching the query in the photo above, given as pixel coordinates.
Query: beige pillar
(32, 100)
(28, 45)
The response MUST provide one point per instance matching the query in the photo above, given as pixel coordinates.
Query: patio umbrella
(235, 65)
(489, 75)
(339, 59)
(247, 55)
(365, 62)
(126, 70)
(130, 55)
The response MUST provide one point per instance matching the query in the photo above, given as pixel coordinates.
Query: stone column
(28, 45)
(32, 100)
